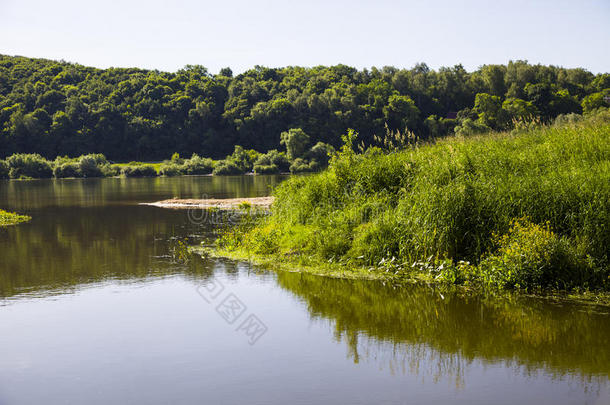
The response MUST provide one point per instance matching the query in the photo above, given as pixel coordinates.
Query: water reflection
(411, 326)
(92, 229)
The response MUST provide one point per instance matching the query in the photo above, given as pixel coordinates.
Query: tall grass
(453, 201)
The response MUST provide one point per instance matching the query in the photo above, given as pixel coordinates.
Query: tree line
(55, 108)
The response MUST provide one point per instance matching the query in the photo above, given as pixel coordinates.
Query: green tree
(595, 101)
(519, 109)
(489, 109)
(401, 113)
(295, 140)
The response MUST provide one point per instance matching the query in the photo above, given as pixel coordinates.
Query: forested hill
(58, 108)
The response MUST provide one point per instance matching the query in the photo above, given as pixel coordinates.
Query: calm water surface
(97, 306)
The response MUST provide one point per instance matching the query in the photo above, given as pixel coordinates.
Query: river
(99, 304)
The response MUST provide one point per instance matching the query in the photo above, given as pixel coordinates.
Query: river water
(99, 304)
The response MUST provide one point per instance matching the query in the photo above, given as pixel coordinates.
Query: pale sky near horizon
(166, 35)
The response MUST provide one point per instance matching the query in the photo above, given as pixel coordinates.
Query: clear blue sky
(168, 34)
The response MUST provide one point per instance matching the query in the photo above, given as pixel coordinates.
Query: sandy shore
(220, 203)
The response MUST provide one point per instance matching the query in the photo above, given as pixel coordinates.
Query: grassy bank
(528, 210)
(10, 218)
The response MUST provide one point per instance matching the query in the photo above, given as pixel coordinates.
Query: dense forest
(65, 109)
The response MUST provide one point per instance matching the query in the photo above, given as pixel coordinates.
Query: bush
(3, 170)
(531, 256)
(198, 165)
(67, 170)
(111, 170)
(227, 168)
(563, 119)
(320, 153)
(274, 158)
(176, 159)
(141, 170)
(239, 162)
(302, 166)
(170, 169)
(266, 169)
(91, 165)
(471, 127)
(29, 165)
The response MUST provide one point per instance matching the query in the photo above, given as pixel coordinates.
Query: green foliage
(532, 256)
(68, 169)
(198, 165)
(295, 140)
(273, 158)
(239, 162)
(301, 166)
(58, 108)
(595, 101)
(266, 169)
(320, 153)
(140, 170)
(437, 127)
(471, 127)
(28, 165)
(227, 168)
(443, 205)
(489, 109)
(401, 112)
(170, 169)
(92, 165)
(518, 109)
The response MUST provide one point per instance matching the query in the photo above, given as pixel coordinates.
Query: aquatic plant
(11, 218)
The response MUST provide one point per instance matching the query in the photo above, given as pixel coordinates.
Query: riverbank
(11, 218)
(526, 210)
(354, 272)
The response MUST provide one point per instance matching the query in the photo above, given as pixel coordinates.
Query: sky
(167, 35)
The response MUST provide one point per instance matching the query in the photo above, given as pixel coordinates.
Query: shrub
(66, 170)
(273, 157)
(170, 169)
(531, 256)
(91, 165)
(111, 170)
(320, 153)
(563, 119)
(29, 165)
(141, 170)
(176, 159)
(266, 169)
(3, 170)
(198, 165)
(471, 127)
(227, 168)
(240, 158)
(295, 140)
(302, 166)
